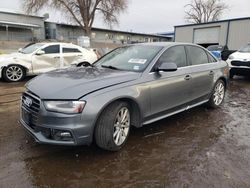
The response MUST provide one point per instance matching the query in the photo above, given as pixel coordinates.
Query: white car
(239, 62)
(38, 58)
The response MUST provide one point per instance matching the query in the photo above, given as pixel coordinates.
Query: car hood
(240, 55)
(73, 83)
(6, 57)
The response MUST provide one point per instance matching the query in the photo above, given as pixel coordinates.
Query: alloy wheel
(14, 73)
(121, 126)
(219, 93)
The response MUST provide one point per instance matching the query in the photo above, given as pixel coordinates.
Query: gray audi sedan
(133, 85)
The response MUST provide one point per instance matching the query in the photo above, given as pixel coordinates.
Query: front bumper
(48, 127)
(239, 67)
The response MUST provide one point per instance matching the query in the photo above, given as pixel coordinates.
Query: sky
(145, 16)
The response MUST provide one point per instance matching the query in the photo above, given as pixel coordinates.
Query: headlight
(67, 107)
(231, 57)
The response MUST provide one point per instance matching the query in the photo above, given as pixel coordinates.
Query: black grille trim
(241, 63)
(33, 109)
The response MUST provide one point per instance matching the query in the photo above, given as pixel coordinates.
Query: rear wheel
(218, 94)
(13, 73)
(113, 126)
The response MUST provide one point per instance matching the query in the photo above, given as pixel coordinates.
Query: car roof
(54, 43)
(165, 44)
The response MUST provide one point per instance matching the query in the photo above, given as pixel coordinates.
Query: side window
(53, 49)
(71, 50)
(197, 56)
(211, 59)
(176, 55)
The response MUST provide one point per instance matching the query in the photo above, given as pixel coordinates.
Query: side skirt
(174, 112)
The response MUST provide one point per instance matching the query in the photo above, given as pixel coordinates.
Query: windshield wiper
(110, 67)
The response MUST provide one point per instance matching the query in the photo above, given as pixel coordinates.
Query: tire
(217, 95)
(14, 73)
(110, 132)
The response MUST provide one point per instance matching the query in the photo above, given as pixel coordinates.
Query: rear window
(197, 56)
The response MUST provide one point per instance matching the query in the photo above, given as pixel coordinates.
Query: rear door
(202, 72)
(170, 91)
(71, 54)
(48, 61)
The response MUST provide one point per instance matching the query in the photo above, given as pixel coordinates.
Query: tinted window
(71, 50)
(197, 56)
(53, 49)
(175, 55)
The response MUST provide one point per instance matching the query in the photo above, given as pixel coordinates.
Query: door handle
(79, 55)
(211, 73)
(188, 77)
(56, 57)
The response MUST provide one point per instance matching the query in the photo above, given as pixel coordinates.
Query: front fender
(98, 101)
(6, 63)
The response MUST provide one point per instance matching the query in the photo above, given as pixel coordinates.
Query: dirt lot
(198, 148)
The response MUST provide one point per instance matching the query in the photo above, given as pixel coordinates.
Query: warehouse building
(234, 33)
(20, 27)
(70, 33)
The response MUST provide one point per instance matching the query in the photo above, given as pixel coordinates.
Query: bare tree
(200, 11)
(83, 12)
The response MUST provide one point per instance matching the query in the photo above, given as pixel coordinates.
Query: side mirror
(167, 67)
(40, 52)
(20, 49)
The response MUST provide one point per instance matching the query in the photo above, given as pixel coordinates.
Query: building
(16, 28)
(70, 33)
(20, 27)
(168, 34)
(234, 33)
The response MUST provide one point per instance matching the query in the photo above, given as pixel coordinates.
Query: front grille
(241, 63)
(30, 107)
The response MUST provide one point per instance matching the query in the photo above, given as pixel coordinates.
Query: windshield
(245, 49)
(129, 58)
(215, 48)
(31, 48)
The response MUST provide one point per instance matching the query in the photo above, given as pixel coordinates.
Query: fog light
(65, 134)
(62, 135)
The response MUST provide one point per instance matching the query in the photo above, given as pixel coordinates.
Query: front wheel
(218, 94)
(13, 73)
(113, 126)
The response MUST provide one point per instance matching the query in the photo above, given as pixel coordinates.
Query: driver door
(48, 61)
(170, 91)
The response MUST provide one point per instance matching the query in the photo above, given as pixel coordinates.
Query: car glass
(175, 55)
(245, 49)
(130, 58)
(31, 48)
(53, 49)
(197, 56)
(71, 50)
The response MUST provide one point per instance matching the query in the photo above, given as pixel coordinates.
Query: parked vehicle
(133, 85)
(220, 51)
(239, 62)
(36, 58)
